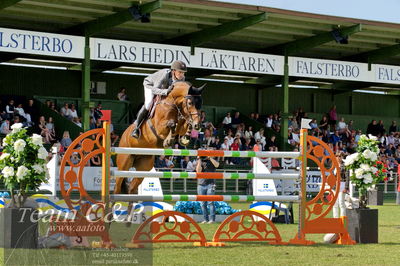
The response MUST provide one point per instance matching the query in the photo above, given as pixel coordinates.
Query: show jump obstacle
(93, 216)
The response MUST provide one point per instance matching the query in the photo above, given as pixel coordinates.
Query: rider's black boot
(139, 120)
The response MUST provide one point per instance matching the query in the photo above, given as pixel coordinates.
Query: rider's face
(179, 75)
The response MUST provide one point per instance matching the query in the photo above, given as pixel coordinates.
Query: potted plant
(22, 169)
(365, 171)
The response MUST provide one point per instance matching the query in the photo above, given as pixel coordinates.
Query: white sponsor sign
(161, 54)
(41, 43)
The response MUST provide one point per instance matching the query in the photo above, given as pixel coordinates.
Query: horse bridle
(181, 116)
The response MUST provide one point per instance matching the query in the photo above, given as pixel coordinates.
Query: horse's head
(188, 101)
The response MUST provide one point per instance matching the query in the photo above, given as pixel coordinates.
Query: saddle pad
(153, 105)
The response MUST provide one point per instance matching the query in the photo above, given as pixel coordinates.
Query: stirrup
(136, 133)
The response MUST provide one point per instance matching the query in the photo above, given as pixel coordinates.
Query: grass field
(384, 253)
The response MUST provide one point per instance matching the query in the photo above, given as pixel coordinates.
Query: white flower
(359, 173)
(16, 127)
(38, 169)
(372, 137)
(365, 167)
(37, 139)
(350, 159)
(42, 153)
(367, 178)
(351, 172)
(367, 154)
(22, 171)
(4, 156)
(19, 145)
(8, 171)
(4, 142)
(374, 157)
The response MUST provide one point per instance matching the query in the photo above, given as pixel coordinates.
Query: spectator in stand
(19, 110)
(260, 136)
(5, 127)
(77, 121)
(251, 116)
(54, 107)
(269, 121)
(65, 111)
(391, 139)
(258, 146)
(271, 143)
(240, 130)
(235, 147)
(357, 136)
(92, 123)
(335, 138)
(293, 123)
(10, 108)
(2, 111)
(227, 122)
(314, 125)
(66, 140)
(276, 123)
(72, 112)
(324, 123)
(50, 128)
(373, 128)
(381, 128)
(247, 145)
(114, 137)
(258, 118)
(44, 132)
(236, 121)
(350, 126)
(393, 127)
(97, 114)
(215, 143)
(122, 95)
(48, 103)
(248, 134)
(343, 129)
(191, 166)
(184, 162)
(300, 115)
(95, 160)
(169, 163)
(32, 111)
(160, 162)
(332, 118)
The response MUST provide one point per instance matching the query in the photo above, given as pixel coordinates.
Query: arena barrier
(241, 226)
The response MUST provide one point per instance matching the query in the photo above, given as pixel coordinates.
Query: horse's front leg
(169, 140)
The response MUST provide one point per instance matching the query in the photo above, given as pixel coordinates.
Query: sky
(377, 10)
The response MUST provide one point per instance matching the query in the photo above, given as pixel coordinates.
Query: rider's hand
(170, 88)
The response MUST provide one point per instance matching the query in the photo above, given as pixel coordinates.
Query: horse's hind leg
(124, 162)
(143, 163)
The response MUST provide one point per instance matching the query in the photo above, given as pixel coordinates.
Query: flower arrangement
(364, 168)
(22, 163)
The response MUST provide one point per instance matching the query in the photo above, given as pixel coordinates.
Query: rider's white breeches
(148, 97)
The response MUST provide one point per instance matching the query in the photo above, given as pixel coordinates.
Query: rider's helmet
(179, 65)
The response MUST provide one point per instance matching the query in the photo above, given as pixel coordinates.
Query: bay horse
(175, 115)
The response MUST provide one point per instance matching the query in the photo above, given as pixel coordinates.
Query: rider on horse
(158, 83)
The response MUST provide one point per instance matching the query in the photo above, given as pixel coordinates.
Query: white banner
(161, 54)
(41, 43)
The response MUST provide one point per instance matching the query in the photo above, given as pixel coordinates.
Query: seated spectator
(324, 123)
(53, 107)
(246, 146)
(225, 145)
(160, 162)
(66, 140)
(248, 134)
(50, 128)
(227, 122)
(19, 110)
(276, 123)
(44, 132)
(77, 121)
(236, 121)
(373, 128)
(381, 128)
(72, 112)
(122, 94)
(10, 108)
(32, 111)
(260, 136)
(314, 125)
(335, 138)
(191, 166)
(95, 160)
(215, 143)
(251, 116)
(235, 147)
(184, 162)
(169, 163)
(258, 118)
(65, 111)
(240, 130)
(271, 143)
(5, 127)
(92, 123)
